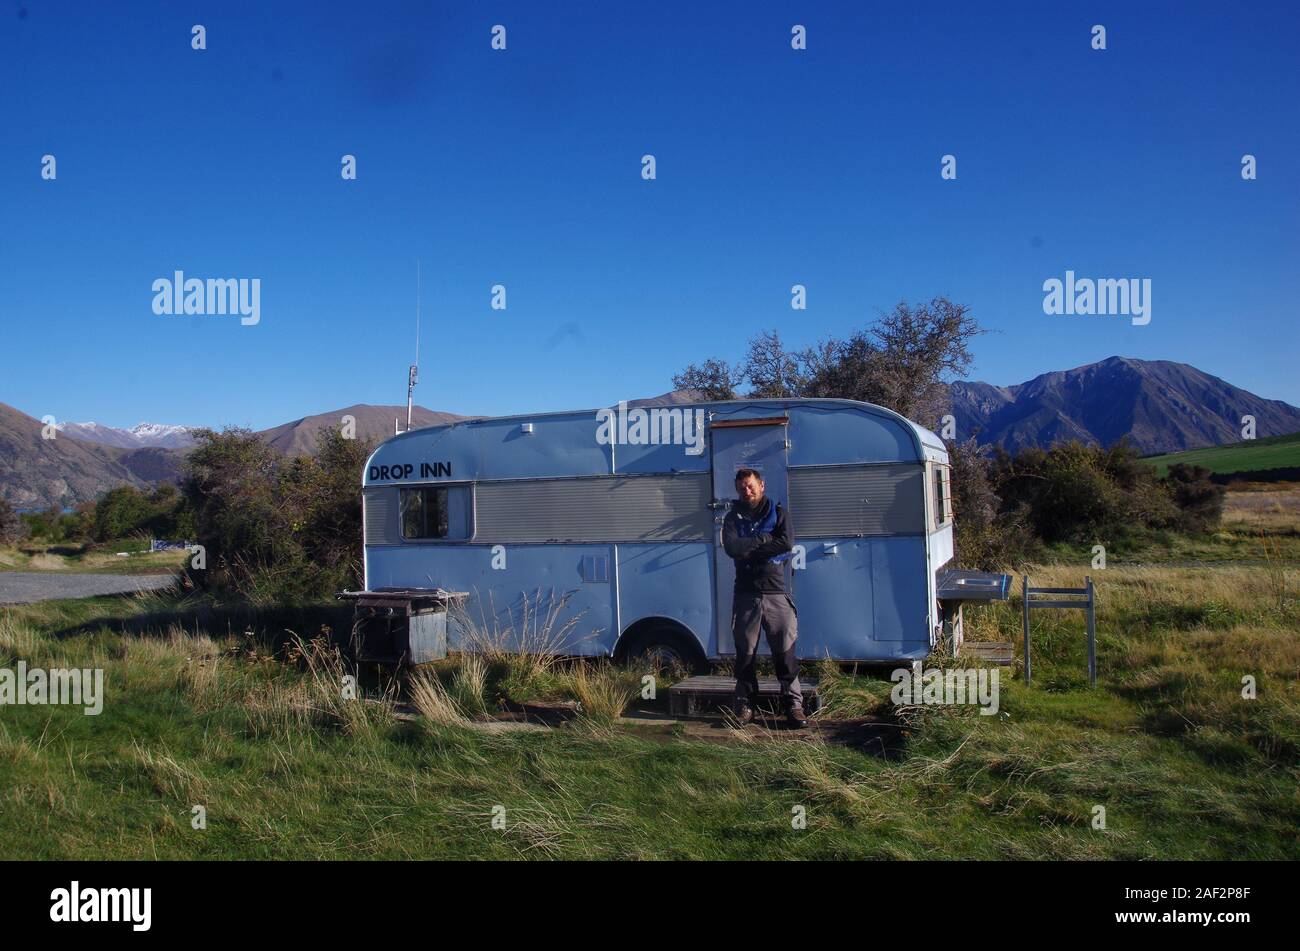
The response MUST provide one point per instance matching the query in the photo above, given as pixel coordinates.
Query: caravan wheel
(664, 648)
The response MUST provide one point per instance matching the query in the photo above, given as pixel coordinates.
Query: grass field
(1275, 452)
(71, 557)
(198, 714)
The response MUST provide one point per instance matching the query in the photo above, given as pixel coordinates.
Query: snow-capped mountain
(137, 437)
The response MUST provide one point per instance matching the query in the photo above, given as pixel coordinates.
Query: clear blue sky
(522, 168)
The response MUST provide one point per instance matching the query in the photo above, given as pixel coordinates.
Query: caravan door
(758, 444)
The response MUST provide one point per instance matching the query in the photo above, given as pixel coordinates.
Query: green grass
(1183, 765)
(285, 768)
(1275, 452)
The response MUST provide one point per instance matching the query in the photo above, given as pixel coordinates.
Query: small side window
(424, 512)
(942, 496)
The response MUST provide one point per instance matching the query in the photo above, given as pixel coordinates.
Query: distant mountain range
(84, 460)
(137, 437)
(1161, 406)
(35, 471)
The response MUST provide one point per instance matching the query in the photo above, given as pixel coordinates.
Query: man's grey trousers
(776, 614)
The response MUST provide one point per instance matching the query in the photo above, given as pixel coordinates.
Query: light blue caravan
(619, 512)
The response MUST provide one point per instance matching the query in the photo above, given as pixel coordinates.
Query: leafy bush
(1078, 493)
(987, 539)
(55, 525)
(276, 529)
(1199, 500)
(126, 511)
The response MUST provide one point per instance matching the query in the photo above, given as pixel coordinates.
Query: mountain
(36, 472)
(78, 466)
(150, 464)
(1160, 405)
(140, 436)
(671, 398)
(372, 422)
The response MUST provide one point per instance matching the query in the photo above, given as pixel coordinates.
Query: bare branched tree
(902, 362)
(772, 372)
(922, 347)
(714, 380)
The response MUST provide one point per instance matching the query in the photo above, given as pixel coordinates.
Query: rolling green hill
(1275, 452)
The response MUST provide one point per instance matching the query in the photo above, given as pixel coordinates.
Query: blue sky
(522, 168)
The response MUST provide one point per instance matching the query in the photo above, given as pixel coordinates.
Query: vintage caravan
(617, 513)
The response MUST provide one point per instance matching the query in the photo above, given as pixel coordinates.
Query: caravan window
(424, 513)
(942, 495)
(437, 512)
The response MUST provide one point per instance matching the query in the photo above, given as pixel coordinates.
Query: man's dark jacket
(759, 541)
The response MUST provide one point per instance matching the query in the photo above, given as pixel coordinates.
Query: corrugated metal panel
(607, 508)
(381, 516)
(857, 500)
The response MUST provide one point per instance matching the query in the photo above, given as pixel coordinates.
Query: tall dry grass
(18, 641)
(273, 699)
(469, 684)
(602, 690)
(526, 641)
(434, 702)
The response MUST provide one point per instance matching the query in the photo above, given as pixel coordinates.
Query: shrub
(12, 528)
(126, 511)
(1078, 493)
(120, 512)
(39, 524)
(276, 529)
(986, 538)
(1199, 500)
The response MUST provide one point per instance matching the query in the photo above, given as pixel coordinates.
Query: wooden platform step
(1000, 653)
(706, 695)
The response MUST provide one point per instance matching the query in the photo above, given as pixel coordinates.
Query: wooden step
(705, 695)
(1000, 653)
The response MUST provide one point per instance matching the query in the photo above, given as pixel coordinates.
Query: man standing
(756, 534)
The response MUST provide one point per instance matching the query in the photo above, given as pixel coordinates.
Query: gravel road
(22, 587)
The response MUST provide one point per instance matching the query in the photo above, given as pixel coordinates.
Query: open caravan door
(743, 443)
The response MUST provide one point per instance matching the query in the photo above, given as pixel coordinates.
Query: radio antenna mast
(413, 375)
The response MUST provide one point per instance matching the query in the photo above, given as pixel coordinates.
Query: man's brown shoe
(745, 714)
(796, 718)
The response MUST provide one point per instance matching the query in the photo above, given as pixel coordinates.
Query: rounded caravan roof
(557, 444)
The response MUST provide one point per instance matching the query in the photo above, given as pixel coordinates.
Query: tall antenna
(413, 376)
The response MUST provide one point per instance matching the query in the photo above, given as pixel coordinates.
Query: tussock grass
(1182, 765)
(469, 684)
(434, 702)
(172, 780)
(602, 690)
(534, 630)
(18, 640)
